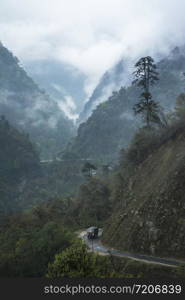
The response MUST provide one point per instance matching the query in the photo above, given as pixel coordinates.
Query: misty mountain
(109, 129)
(112, 123)
(112, 80)
(30, 109)
(62, 81)
(171, 81)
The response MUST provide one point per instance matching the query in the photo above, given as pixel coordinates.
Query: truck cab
(92, 232)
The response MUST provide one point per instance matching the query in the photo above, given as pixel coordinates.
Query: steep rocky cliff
(150, 218)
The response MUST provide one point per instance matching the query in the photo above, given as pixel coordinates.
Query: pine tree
(145, 77)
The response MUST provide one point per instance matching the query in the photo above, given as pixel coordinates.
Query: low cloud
(68, 106)
(91, 35)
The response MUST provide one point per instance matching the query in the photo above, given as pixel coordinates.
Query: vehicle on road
(92, 232)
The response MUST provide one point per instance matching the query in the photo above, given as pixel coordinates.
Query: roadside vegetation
(41, 240)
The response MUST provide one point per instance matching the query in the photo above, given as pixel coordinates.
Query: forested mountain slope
(113, 123)
(24, 181)
(28, 108)
(18, 162)
(170, 67)
(110, 81)
(109, 129)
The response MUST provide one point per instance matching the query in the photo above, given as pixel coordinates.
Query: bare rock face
(154, 218)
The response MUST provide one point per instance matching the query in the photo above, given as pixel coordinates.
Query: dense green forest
(46, 234)
(24, 180)
(123, 172)
(44, 243)
(19, 163)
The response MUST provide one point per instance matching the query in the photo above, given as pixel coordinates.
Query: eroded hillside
(150, 217)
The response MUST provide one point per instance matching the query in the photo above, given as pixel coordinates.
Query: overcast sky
(90, 34)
